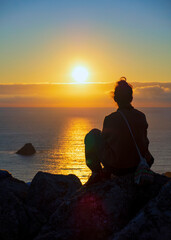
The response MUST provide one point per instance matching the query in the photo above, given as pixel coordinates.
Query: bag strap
(122, 114)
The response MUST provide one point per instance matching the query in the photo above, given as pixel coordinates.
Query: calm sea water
(58, 136)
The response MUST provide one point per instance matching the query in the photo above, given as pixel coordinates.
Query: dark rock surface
(101, 210)
(17, 220)
(13, 185)
(47, 191)
(4, 174)
(58, 207)
(27, 150)
(153, 222)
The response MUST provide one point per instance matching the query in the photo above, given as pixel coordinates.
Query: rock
(4, 174)
(100, 210)
(153, 222)
(27, 150)
(13, 185)
(47, 191)
(17, 220)
(58, 207)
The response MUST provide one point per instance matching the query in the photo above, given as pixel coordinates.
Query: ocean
(58, 136)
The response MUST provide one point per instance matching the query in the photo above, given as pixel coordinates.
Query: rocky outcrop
(153, 222)
(58, 207)
(100, 210)
(17, 220)
(13, 185)
(4, 174)
(27, 150)
(47, 191)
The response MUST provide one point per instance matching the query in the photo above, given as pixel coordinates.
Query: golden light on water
(70, 152)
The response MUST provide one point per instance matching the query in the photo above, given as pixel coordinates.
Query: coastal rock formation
(13, 185)
(58, 207)
(27, 150)
(4, 174)
(47, 191)
(17, 220)
(153, 222)
(101, 210)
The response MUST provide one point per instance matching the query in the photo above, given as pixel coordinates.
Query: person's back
(118, 152)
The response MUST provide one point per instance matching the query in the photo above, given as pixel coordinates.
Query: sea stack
(27, 150)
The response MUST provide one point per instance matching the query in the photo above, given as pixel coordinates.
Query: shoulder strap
(131, 133)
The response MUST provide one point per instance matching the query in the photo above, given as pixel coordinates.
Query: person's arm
(108, 157)
(104, 129)
(147, 154)
(104, 140)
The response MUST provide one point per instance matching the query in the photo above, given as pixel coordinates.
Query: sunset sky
(43, 41)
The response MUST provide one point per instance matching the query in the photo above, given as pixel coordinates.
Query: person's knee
(92, 142)
(92, 138)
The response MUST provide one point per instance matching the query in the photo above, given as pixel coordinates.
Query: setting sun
(80, 74)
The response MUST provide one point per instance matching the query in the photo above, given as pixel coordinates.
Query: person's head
(123, 93)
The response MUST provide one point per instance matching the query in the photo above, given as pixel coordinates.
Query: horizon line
(82, 107)
(75, 83)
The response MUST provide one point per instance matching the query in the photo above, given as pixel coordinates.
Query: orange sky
(152, 94)
(43, 41)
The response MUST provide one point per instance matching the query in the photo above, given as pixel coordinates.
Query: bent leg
(93, 144)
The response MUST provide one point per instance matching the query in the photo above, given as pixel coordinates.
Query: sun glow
(80, 74)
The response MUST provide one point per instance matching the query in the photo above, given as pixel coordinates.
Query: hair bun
(122, 79)
(122, 82)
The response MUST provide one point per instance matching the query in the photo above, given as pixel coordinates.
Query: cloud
(157, 95)
(151, 94)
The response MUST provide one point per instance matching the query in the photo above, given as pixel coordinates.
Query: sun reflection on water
(69, 152)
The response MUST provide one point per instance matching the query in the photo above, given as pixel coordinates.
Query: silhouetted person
(114, 147)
